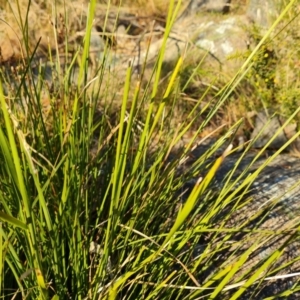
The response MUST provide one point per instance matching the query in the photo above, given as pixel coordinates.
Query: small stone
(266, 127)
(216, 6)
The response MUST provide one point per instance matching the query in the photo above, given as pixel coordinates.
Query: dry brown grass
(53, 25)
(43, 25)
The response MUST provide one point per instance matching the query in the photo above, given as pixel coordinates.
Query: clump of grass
(89, 211)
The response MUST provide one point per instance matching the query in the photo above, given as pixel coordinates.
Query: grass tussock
(95, 201)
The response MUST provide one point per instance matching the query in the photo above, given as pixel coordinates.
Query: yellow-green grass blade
(13, 221)
(230, 271)
(198, 189)
(10, 119)
(257, 274)
(2, 252)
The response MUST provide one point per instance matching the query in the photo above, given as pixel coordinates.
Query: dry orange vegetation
(51, 25)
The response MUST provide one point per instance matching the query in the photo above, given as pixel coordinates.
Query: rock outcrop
(263, 214)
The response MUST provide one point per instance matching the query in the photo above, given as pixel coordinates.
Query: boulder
(222, 39)
(202, 36)
(267, 126)
(263, 13)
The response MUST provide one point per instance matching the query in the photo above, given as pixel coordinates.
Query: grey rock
(267, 216)
(215, 40)
(96, 42)
(197, 6)
(222, 39)
(274, 206)
(268, 127)
(263, 13)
